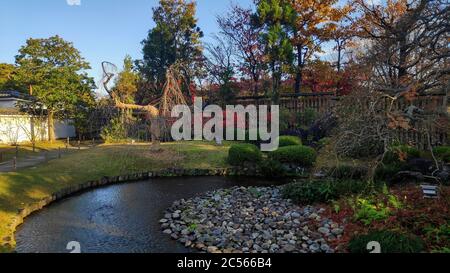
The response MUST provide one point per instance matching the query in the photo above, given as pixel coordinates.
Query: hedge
(301, 155)
(243, 153)
(285, 141)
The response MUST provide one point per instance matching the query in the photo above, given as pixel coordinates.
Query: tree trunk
(51, 126)
(299, 75)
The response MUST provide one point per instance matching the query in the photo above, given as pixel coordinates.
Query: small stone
(175, 216)
(337, 231)
(314, 248)
(324, 248)
(212, 249)
(185, 231)
(295, 215)
(289, 248)
(324, 230)
(167, 231)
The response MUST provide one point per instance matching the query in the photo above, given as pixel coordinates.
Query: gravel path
(249, 220)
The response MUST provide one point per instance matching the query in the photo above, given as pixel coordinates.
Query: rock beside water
(249, 220)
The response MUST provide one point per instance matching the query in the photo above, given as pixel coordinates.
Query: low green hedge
(322, 191)
(390, 242)
(443, 153)
(302, 155)
(244, 153)
(285, 141)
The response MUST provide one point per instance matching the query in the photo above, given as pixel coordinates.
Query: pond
(121, 218)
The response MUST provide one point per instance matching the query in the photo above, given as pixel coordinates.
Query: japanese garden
(166, 150)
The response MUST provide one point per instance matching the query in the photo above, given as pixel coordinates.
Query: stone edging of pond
(8, 242)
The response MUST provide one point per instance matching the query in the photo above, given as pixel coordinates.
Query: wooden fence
(435, 108)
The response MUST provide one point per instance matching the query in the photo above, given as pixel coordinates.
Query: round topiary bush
(390, 241)
(301, 155)
(243, 153)
(285, 141)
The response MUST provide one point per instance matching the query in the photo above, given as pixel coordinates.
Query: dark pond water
(116, 219)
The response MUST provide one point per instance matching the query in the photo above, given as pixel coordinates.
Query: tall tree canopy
(126, 84)
(408, 44)
(315, 22)
(237, 26)
(7, 72)
(54, 72)
(276, 17)
(176, 37)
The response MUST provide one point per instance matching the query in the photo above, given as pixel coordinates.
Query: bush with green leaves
(285, 141)
(301, 155)
(272, 169)
(400, 153)
(322, 191)
(390, 241)
(240, 154)
(286, 117)
(307, 117)
(115, 131)
(443, 153)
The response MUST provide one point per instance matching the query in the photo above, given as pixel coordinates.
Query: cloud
(73, 2)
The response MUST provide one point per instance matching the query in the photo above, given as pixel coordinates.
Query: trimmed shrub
(400, 153)
(443, 153)
(301, 155)
(272, 169)
(285, 141)
(243, 153)
(390, 241)
(322, 191)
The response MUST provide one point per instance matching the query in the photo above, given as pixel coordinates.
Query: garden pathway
(41, 157)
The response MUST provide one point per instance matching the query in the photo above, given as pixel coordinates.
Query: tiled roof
(15, 95)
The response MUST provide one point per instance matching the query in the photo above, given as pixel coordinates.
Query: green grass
(26, 149)
(33, 184)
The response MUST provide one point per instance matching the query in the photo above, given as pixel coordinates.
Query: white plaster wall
(17, 128)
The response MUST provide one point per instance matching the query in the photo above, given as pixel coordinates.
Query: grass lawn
(33, 184)
(26, 149)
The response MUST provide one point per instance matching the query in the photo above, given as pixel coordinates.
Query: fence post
(17, 150)
(15, 163)
(59, 152)
(1, 157)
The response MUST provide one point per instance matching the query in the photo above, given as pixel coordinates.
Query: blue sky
(100, 29)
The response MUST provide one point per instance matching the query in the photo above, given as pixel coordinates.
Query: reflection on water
(120, 218)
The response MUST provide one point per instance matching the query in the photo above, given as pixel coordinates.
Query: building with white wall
(18, 126)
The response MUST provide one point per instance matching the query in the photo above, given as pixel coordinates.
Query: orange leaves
(397, 121)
